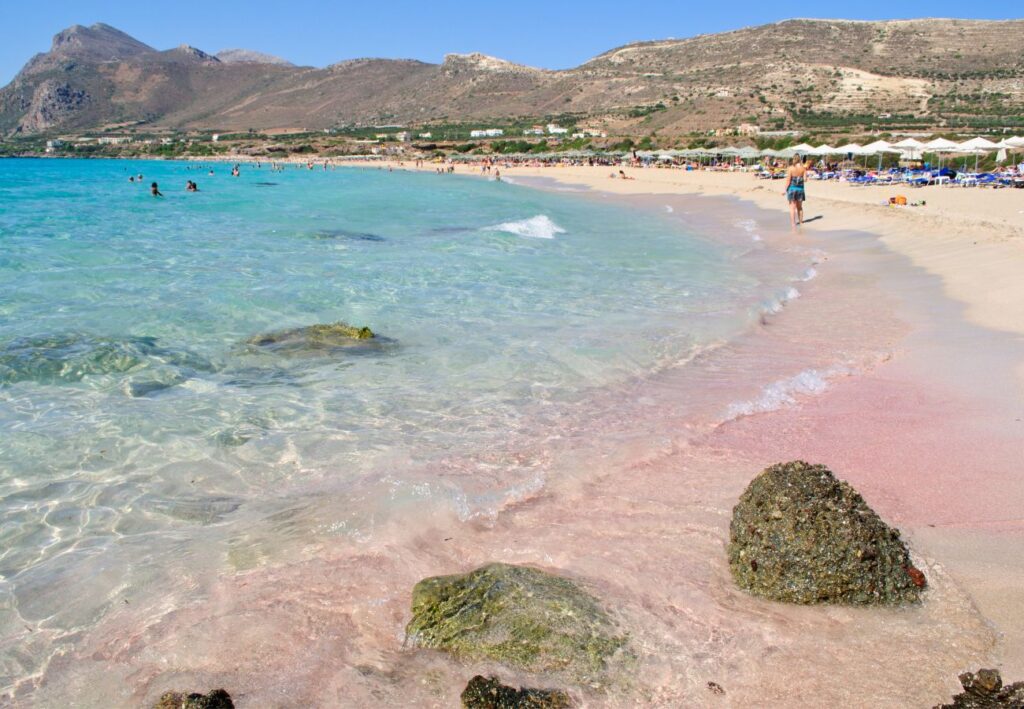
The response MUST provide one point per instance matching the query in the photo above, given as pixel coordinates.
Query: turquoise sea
(142, 437)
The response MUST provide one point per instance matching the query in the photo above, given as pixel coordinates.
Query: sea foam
(783, 392)
(538, 227)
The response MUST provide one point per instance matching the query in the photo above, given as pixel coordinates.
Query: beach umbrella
(769, 153)
(850, 149)
(803, 148)
(969, 146)
(940, 145)
(879, 146)
(909, 144)
(979, 146)
(911, 148)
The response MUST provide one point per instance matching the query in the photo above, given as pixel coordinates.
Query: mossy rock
(489, 693)
(800, 535)
(321, 337)
(217, 699)
(985, 690)
(517, 615)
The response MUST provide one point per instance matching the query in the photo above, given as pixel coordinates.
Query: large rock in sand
(490, 693)
(800, 535)
(217, 699)
(523, 617)
(985, 690)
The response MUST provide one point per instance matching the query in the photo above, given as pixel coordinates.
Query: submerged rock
(800, 535)
(312, 338)
(72, 357)
(348, 235)
(217, 699)
(489, 693)
(517, 615)
(985, 690)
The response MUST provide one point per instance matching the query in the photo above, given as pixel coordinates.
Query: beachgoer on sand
(794, 192)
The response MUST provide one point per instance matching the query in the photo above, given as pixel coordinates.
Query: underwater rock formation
(321, 337)
(523, 617)
(217, 699)
(348, 235)
(985, 690)
(800, 535)
(489, 693)
(72, 357)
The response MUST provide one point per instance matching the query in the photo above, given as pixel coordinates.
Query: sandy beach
(972, 242)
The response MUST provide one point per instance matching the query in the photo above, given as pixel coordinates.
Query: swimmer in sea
(155, 190)
(131, 178)
(191, 186)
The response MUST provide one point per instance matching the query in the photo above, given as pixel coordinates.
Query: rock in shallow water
(72, 357)
(800, 535)
(322, 337)
(517, 615)
(490, 693)
(217, 699)
(985, 690)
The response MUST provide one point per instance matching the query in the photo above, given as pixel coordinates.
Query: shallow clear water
(142, 435)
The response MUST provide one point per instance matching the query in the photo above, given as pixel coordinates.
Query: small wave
(777, 304)
(809, 274)
(539, 227)
(783, 393)
(747, 225)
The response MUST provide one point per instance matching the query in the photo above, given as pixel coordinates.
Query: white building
(425, 135)
(536, 130)
(216, 137)
(114, 140)
(402, 136)
(556, 130)
(52, 145)
(487, 133)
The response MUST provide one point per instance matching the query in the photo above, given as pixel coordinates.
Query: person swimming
(191, 186)
(131, 178)
(154, 190)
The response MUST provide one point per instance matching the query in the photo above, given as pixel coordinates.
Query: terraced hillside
(799, 73)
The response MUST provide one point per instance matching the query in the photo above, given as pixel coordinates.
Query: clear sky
(547, 33)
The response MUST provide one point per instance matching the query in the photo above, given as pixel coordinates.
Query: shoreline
(363, 588)
(978, 254)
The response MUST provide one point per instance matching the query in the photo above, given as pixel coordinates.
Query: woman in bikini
(795, 176)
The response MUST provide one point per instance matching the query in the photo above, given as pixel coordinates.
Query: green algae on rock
(330, 336)
(800, 535)
(521, 616)
(217, 699)
(985, 690)
(489, 693)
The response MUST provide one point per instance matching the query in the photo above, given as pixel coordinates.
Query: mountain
(248, 56)
(811, 73)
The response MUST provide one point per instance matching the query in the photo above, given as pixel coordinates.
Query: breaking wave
(539, 227)
(784, 392)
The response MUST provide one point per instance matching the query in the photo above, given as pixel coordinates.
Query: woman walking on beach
(795, 176)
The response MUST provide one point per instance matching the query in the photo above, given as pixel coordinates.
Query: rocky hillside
(798, 73)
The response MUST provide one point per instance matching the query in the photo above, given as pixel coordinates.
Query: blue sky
(546, 33)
